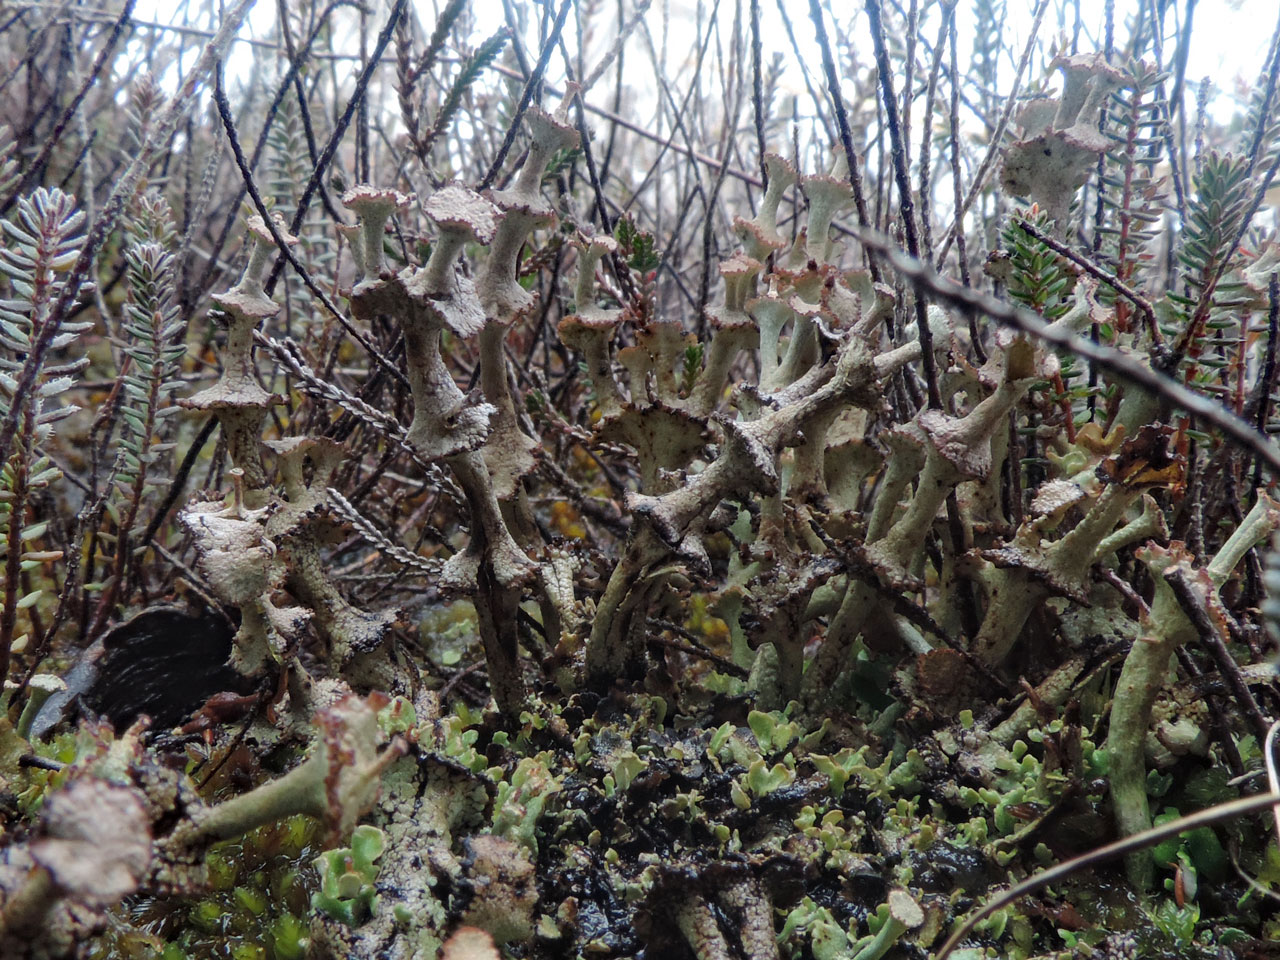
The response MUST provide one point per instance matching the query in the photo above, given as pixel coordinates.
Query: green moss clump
(256, 907)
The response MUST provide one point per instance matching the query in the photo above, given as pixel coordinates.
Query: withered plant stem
(906, 205)
(335, 139)
(228, 123)
(526, 95)
(1120, 848)
(842, 124)
(37, 165)
(1211, 638)
(111, 213)
(1114, 361)
(1099, 272)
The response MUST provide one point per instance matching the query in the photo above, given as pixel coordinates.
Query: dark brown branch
(1211, 638)
(1098, 273)
(842, 124)
(1112, 851)
(1115, 362)
(224, 112)
(526, 95)
(906, 206)
(688, 643)
(330, 148)
(54, 138)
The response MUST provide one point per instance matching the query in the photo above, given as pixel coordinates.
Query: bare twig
(160, 135)
(1112, 851)
(1092, 268)
(526, 95)
(1114, 361)
(36, 166)
(906, 206)
(997, 138)
(1211, 638)
(842, 124)
(339, 130)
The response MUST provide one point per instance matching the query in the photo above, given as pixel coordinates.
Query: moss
(258, 899)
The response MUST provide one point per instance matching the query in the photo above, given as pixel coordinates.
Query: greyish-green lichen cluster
(832, 674)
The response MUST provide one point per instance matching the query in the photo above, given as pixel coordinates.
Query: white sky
(1228, 44)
